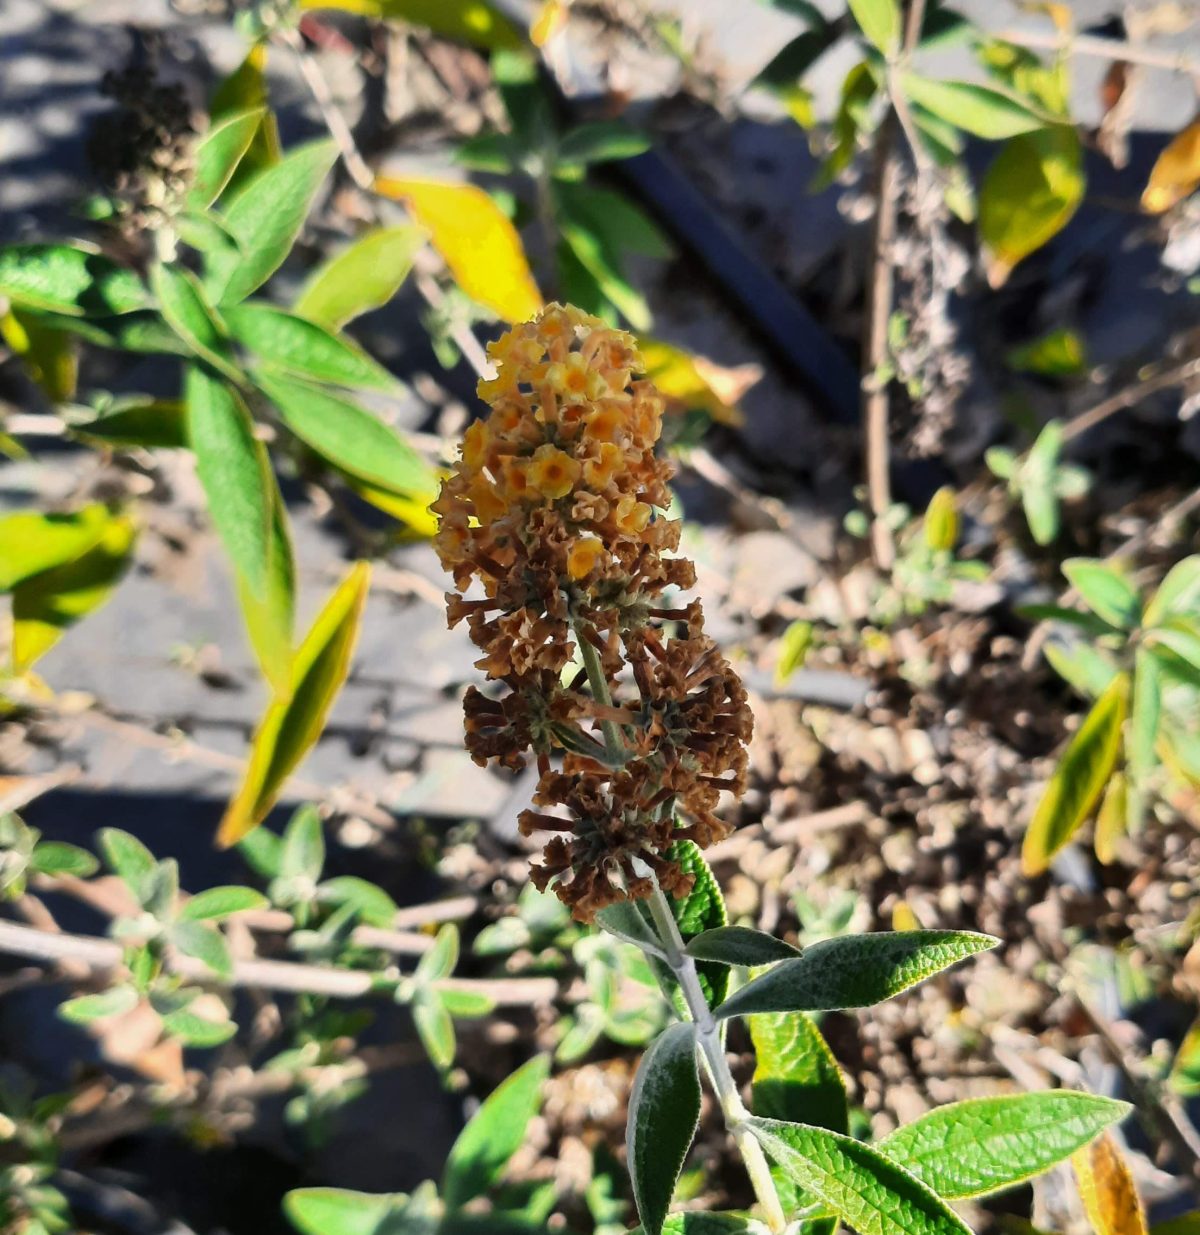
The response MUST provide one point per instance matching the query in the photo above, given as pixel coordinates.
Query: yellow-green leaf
(45, 605)
(879, 21)
(1079, 779)
(47, 353)
(31, 542)
(793, 648)
(1106, 1186)
(1030, 192)
(245, 89)
(1111, 819)
(475, 239)
(941, 521)
(982, 110)
(293, 721)
(468, 21)
(362, 277)
(1176, 172)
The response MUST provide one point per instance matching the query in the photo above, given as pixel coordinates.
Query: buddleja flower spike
(555, 515)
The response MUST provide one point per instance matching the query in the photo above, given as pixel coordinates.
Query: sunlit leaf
(1177, 595)
(293, 723)
(1176, 172)
(1106, 590)
(1111, 819)
(193, 319)
(854, 971)
(1109, 1194)
(688, 381)
(88, 1008)
(468, 21)
(363, 276)
(136, 421)
(984, 1145)
(244, 90)
(981, 110)
(868, 1191)
(219, 153)
(739, 945)
(1184, 1077)
(493, 1134)
(349, 437)
(336, 1211)
(879, 20)
(46, 604)
(31, 542)
(1029, 194)
(59, 278)
(475, 239)
(295, 345)
(1057, 354)
(1079, 779)
(794, 646)
(265, 217)
(940, 526)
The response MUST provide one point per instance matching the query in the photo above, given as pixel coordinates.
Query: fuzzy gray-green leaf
(866, 1190)
(739, 945)
(664, 1109)
(854, 971)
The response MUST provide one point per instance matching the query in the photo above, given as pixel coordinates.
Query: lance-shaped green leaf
(87, 1008)
(58, 278)
(213, 904)
(233, 468)
(192, 318)
(203, 943)
(294, 344)
(53, 857)
(294, 720)
(625, 920)
(879, 20)
(664, 1109)
(31, 542)
(982, 110)
(219, 153)
(1106, 590)
(336, 1211)
(364, 276)
(265, 217)
(45, 605)
(245, 89)
(130, 860)
(1144, 714)
(198, 1031)
(349, 437)
(796, 1079)
(137, 421)
(494, 1133)
(1079, 780)
(985, 1144)
(435, 1028)
(739, 945)
(866, 1190)
(1177, 595)
(854, 971)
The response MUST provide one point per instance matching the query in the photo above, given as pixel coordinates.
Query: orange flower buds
(555, 514)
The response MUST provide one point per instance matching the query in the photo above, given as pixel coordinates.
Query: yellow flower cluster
(555, 514)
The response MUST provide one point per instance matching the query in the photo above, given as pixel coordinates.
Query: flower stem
(614, 744)
(708, 1035)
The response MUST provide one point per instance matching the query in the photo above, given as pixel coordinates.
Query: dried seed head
(555, 511)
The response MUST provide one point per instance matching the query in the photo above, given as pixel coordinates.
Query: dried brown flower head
(555, 512)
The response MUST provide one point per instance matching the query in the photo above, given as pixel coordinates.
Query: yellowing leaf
(49, 354)
(1079, 779)
(1110, 822)
(294, 719)
(941, 521)
(549, 20)
(1030, 192)
(1107, 1188)
(1176, 172)
(45, 605)
(469, 21)
(415, 514)
(31, 542)
(904, 917)
(478, 243)
(687, 380)
(793, 648)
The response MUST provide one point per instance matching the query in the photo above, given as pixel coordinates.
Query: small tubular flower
(555, 513)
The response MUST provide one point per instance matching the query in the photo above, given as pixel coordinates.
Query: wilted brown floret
(555, 512)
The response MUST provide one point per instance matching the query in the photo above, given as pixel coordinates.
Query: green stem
(708, 1035)
(614, 743)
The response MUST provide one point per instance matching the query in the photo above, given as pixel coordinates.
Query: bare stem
(614, 743)
(1103, 49)
(106, 955)
(708, 1035)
